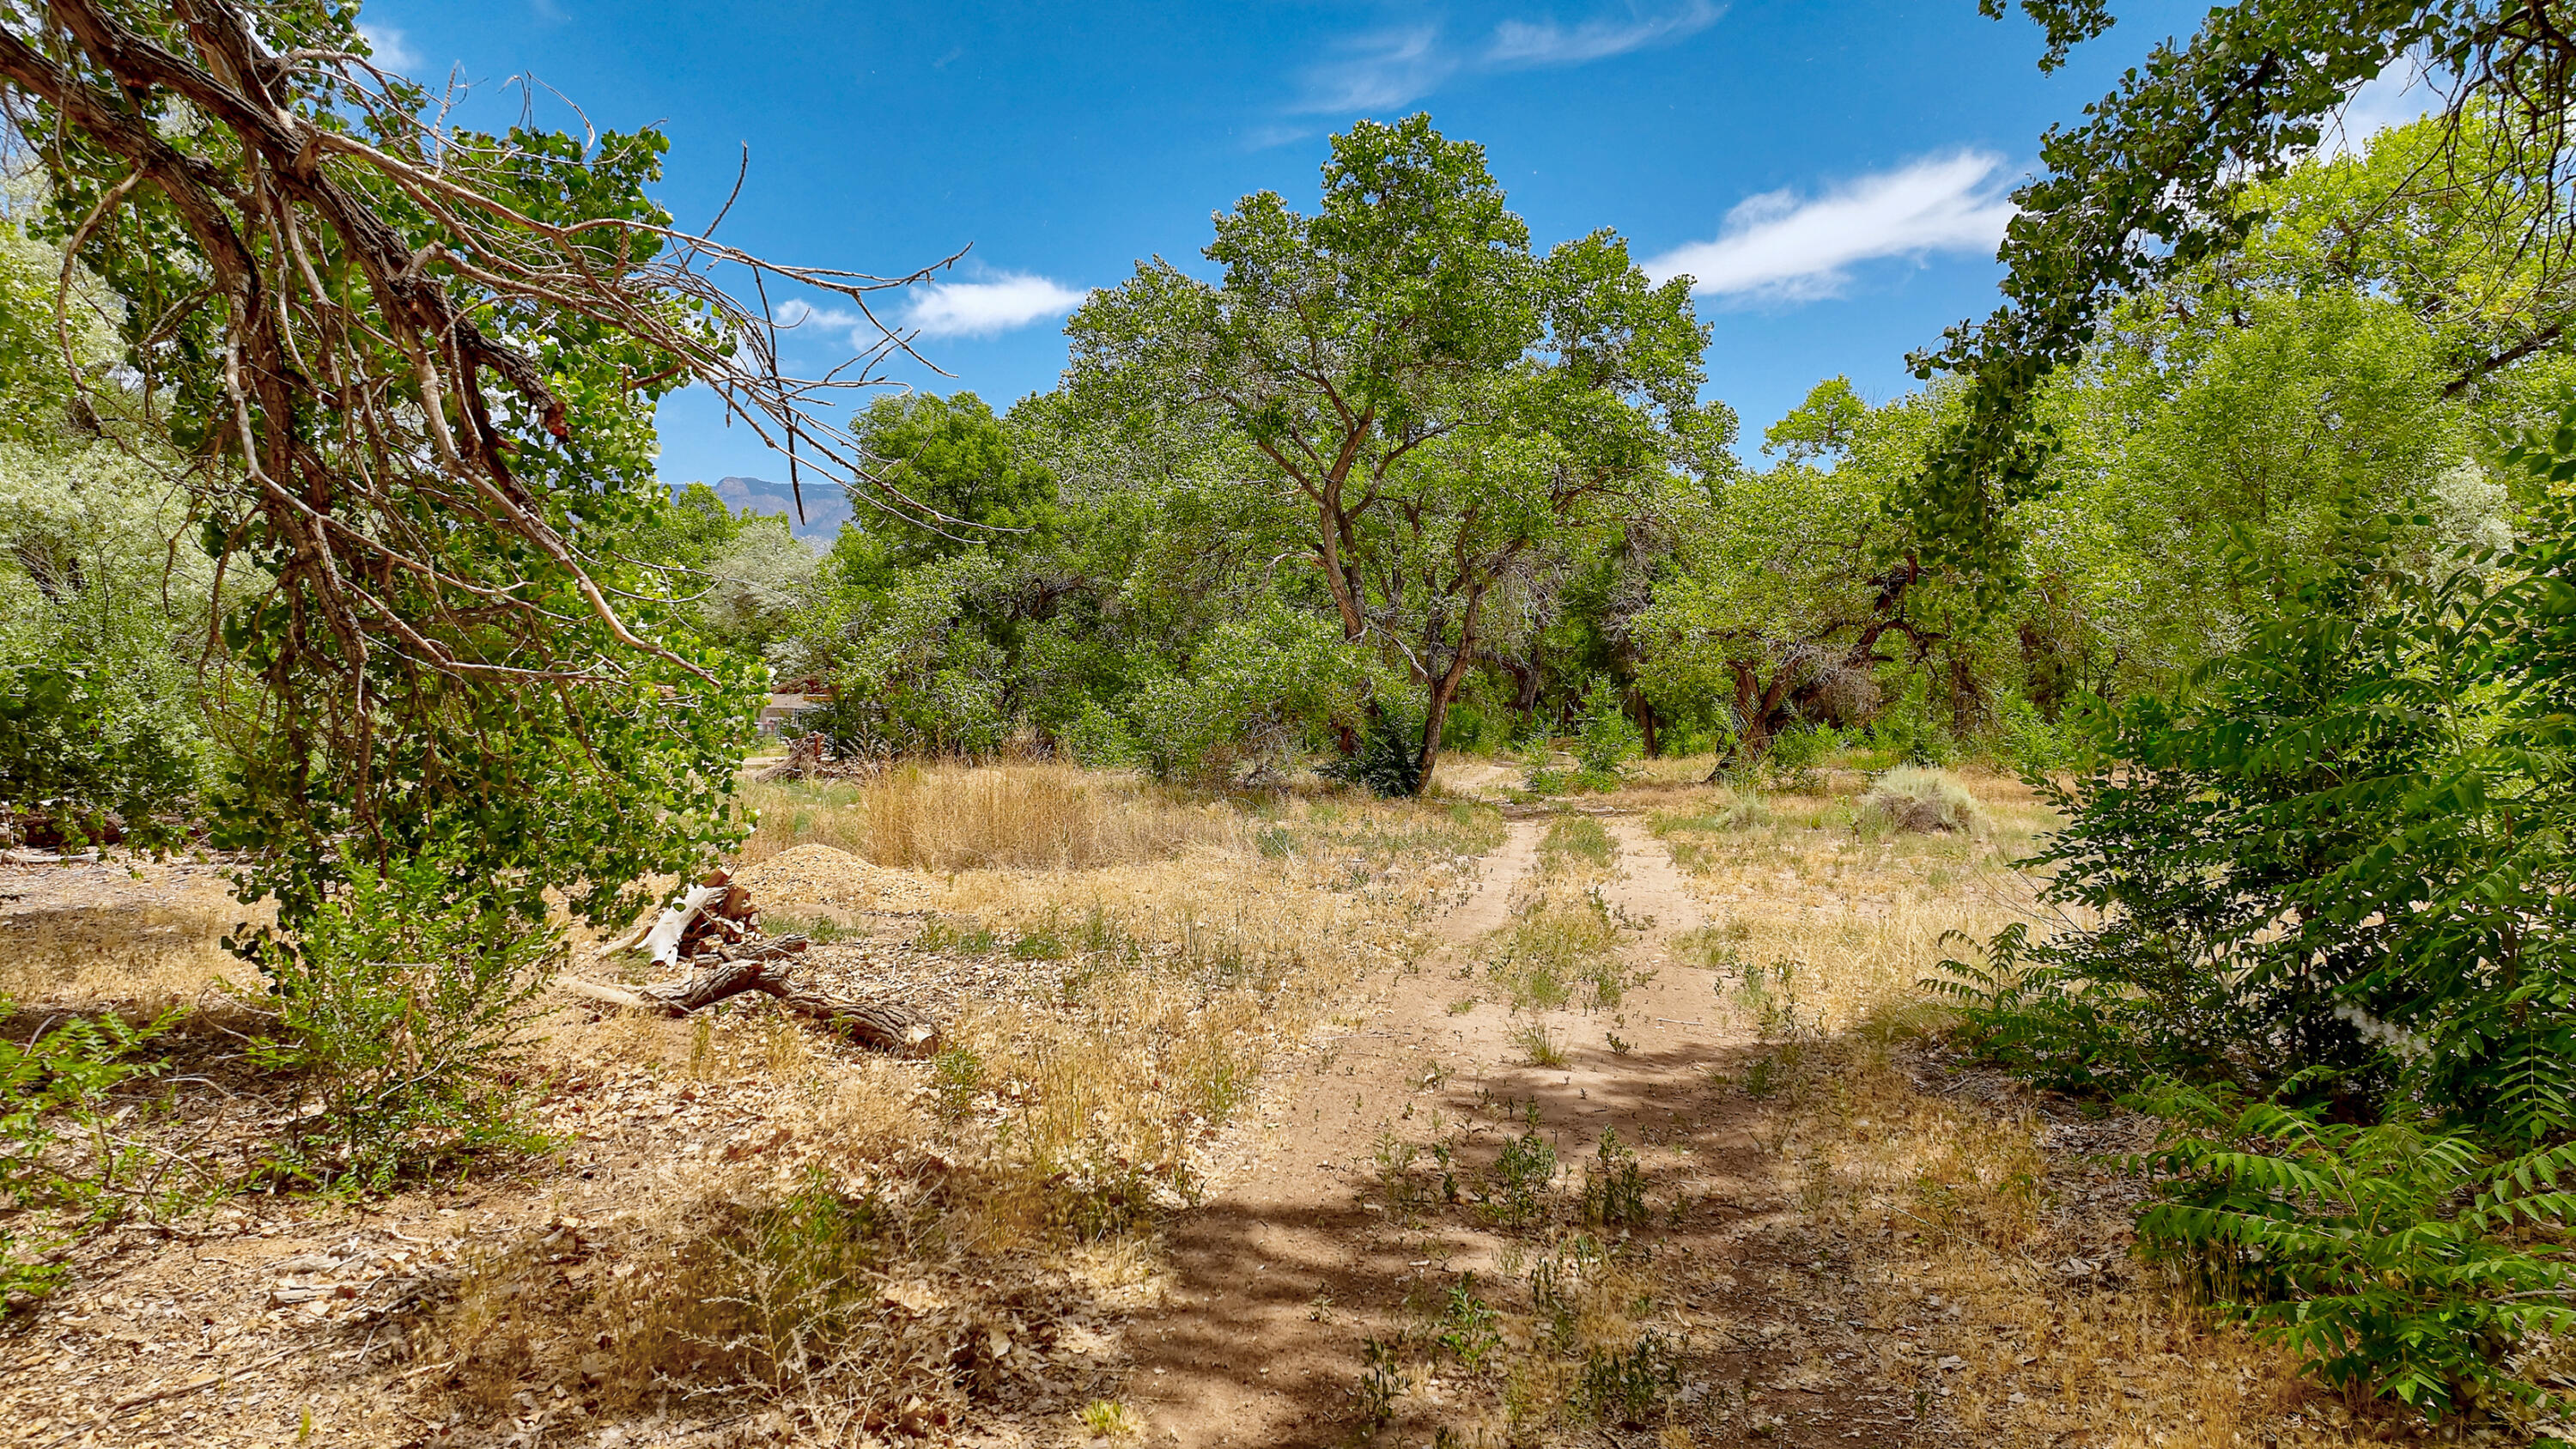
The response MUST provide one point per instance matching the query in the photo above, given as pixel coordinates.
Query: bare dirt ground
(1288, 1271)
(1831, 1233)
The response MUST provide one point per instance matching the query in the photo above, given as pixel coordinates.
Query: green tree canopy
(1434, 398)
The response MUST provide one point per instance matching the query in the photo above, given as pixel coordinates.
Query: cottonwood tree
(1437, 397)
(2152, 184)
(1790, 585)
(413, 367)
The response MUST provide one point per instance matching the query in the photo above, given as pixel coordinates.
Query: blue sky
(1832, 173)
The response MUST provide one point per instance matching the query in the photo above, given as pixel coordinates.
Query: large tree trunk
(1444, 689)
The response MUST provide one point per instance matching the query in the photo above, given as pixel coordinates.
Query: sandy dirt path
(1287, 1267)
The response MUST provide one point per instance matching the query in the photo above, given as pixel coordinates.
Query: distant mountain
(826, 506)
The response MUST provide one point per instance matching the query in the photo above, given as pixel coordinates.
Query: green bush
(404, 1002)
(1097, 739)
(1254, 691)
(88, 758)
(1798, 754)
(2383, 1256)
(56, 1087)
(1606, 738)
(2337, 877)
(1389, 761)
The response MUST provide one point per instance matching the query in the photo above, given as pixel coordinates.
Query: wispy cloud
(979, 309)
(948, 309)
(393, 49)
(1379, 71)
(1388, 68)
(1781, 247)
(1522, 42)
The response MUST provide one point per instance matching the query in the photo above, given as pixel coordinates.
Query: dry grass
(961, 817)
(138, 958)
(1968, 1245)
(1820, 916)
(857, 1268)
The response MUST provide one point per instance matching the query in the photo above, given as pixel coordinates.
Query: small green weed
(1110, 1419)
(820, 929)
(1381, 1381)
(1614, 1193)
(959, 936)
(956, 1076)
(1515, 1194)
(1539, 1046)
(1469, 1330)
(1623, 1388)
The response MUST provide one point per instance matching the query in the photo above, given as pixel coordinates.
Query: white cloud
(796, 312)
(1379, 72)
(1520, 42)
(1389, 68)
(392, 48)
(979, 309)
(947, 309)
(1778, 246)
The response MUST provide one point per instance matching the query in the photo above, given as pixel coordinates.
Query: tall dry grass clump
(1912, 798)
(959, 817)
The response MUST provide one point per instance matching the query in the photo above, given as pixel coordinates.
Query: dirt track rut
(1282, 1273)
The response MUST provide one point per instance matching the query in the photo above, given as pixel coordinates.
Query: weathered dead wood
(767, 967)
(879, 1024)
(705, 987)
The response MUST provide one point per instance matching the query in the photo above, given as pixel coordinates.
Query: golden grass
(946, 817)
(1970, 1245)
(145, 959)
(1198, 943)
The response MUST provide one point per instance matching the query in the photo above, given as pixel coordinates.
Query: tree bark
(1444, 688)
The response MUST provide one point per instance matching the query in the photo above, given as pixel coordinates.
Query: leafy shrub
(1910, 798)
(1255, 688)
(2382, 1256)
(1389, 762)
(405, 1000)
(2339, 879)
(1798, 753)
(1606, 738)
(89, 759)
(1538, 769)
(101, 731)
(54, 1086)
(1097, 739)
(2033, 746)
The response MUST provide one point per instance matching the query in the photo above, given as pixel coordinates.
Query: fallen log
(766, 967)
(880, 1024)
